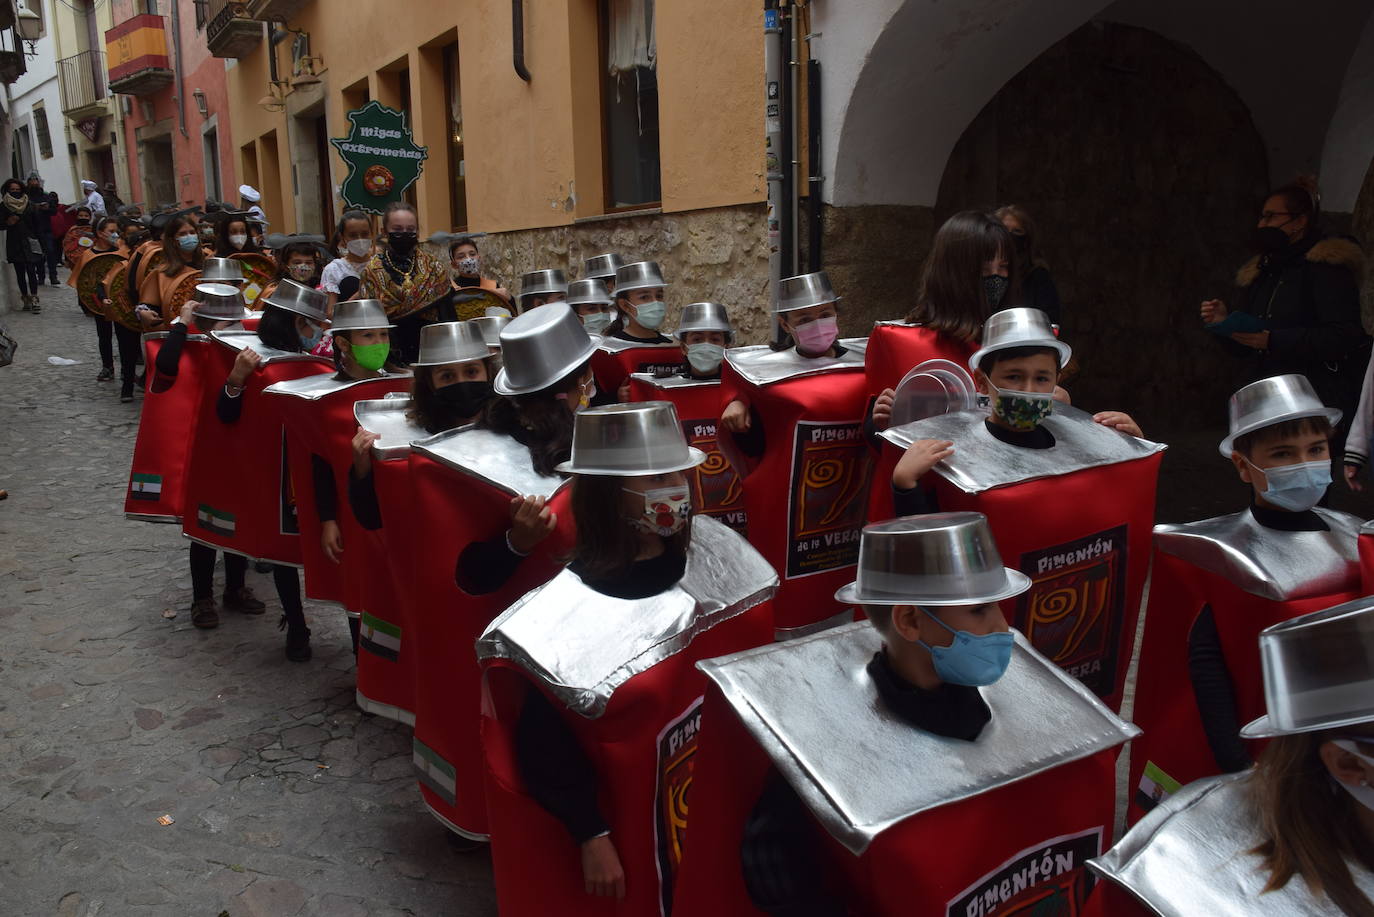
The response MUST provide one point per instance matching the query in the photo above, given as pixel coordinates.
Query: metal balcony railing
(229, 33)
(82, 80)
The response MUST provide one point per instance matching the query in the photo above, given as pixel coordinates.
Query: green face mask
(371, 356)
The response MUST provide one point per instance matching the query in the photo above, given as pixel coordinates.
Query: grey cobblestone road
(285, 799)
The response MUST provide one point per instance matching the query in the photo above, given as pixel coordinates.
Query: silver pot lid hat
(490, 326)
(540, 347)
(298, 298)
(359, 315)
(602, 267)
(705, 316)
(220, 302)
(937, 560)
(451, 342)
(1318, 671)
(547, 281)
(591, 291)
(1269, 401)
(805, 290)
(1019, 327)
(222, 270)
(641, 275)
(630, 439)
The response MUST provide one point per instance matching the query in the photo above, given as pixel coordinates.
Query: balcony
(137, 52)
(81, 78)
(230, 31)
(275, 10)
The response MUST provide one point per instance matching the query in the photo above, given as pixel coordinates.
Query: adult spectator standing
(1297, 309)
(248, 201)
(93, 200)
(111, 198)
(19, 219)
(1037, 284)
(45, 210)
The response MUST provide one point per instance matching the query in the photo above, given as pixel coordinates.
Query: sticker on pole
(383, 159)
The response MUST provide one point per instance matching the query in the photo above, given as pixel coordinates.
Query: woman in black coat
(19, 219)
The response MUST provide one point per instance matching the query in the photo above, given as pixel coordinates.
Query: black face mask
(1266, 240)
(465, 399)
(401, 243)
(995, 287)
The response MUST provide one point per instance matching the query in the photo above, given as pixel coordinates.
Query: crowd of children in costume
(832, 625)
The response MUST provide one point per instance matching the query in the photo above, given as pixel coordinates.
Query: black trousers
(30, 274)
(104, 335)
(130, 349)
(52, 254)
(203, 571)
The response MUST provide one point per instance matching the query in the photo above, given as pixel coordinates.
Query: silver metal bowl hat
(540, 347)
(602, 267)
(591, 291)
(490, 326)
(222, 270)
(359, 315)
(451, 342)
(1019, 327)
(549, 281)
(220, 302)
(1269, 401)
(937, 559)
(704, 316)
(1318, 671)
(805, 290)
(641, 275)
(630, 439)
(298, 298)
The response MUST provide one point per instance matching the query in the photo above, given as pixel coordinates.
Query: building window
(210, 144)
(40, 128)
(202, 13)
(36, 6)
(457, 173)
(629, 103)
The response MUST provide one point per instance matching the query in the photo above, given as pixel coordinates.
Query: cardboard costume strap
(1042, 772)
(463, 482)
(614, 360)
(807, 494)
(1251, 578)
(166, 431)
(238, 492)
(716, 487)
(1075, 518)
(626, 683)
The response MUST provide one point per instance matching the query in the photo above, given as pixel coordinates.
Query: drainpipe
(813, 158)
(177, 74)
(793, 140)
(773, 150)
(517, 30)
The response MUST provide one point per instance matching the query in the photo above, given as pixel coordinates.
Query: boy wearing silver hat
(1218, 582)
(889, 752)
(1069, 495)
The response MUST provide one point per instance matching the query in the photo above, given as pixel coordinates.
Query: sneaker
(242, 600)
(106, 375)
(203, 614)
(28, 302)
(126, 394)
(297, 642)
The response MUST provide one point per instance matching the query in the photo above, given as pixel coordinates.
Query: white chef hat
(249, 193)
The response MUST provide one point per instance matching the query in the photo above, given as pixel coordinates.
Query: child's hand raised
(1119, 421)
(531, 521)
(736, 417)
(882, 409)
(920, 457)
(245, 364)
(362, 451)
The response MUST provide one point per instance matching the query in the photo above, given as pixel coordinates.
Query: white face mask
(705, 357)
(359, 247)
(1363, 792)
(238, 240)
(597, 322)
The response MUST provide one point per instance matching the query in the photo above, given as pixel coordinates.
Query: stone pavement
(285, 799)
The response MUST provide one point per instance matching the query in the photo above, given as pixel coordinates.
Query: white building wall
(38, 87)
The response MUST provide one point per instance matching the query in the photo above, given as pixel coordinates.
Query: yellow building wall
(533, 151)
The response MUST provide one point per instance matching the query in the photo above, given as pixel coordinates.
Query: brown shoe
(242, 600)
(203, 614)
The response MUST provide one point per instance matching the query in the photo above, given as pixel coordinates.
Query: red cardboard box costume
(238, 490)
(806, 496)
(318, 415)
(716, 487)
(1251, 577)
(622, 671)
(166, 431)
(1075, 518)
(913, 822)
(1367, 558)
(614, 360)
(463, 483)
(387, 653)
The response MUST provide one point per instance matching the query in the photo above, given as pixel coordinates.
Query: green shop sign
(383, 160)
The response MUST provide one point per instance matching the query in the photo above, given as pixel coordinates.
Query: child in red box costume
(703, 334)
(593, 702)
(793, 426)
(1070, 497)
(1218, 582)
(632, 343)
(931, 763)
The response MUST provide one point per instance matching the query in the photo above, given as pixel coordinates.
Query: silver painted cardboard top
(237, 340)
(677, 381)
(313, 388)
(491, 457)
(761, 365)
(387, 417)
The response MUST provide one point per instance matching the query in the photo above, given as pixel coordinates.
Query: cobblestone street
(284, 798)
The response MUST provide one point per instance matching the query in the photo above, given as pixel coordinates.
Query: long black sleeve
(557, 772)
(1335, 329)
(1215, 695)
(486, 566)
(752, 442)
(362, 499)
(782, 872)
(168, 362)
(326, 497)
(228, 409)
(918, 501)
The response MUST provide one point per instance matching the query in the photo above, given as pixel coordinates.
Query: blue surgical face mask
(310, 343)
(971, 659)
(1296, 488)
(650, 314)
(188, 242)
(597, 322)
(705, 357)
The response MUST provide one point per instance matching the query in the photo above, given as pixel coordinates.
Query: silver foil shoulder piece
(811, 705)
(491, 457)
(238, 340)
(616, 345)
(761, 365)
(388, 418)
(982, 462)
(673, 383)
(1267, 562)
(582, 644)
(313, 388)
